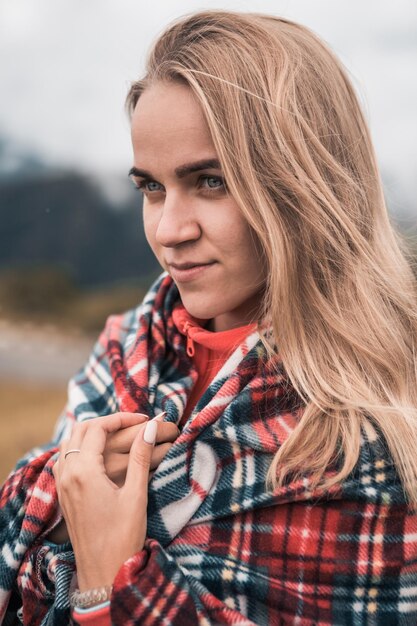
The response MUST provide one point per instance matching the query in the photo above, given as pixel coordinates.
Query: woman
(281, 341)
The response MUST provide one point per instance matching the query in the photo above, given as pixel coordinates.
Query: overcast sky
(65, 67)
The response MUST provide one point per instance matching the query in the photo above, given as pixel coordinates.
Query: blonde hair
(341, 295)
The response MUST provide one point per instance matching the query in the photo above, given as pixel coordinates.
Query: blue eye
(212, 182)
(151, 185)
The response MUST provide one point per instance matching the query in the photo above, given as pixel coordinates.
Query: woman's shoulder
(375, 478)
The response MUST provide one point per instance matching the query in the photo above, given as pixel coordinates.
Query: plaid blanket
(221, 548)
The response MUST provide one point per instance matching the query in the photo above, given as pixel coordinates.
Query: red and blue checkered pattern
(221, 547)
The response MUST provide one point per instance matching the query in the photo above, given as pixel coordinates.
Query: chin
(199, 307)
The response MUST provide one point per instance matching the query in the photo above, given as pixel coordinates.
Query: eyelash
(141, 186)
(207, 177)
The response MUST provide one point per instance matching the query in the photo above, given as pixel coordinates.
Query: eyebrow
(182, 170)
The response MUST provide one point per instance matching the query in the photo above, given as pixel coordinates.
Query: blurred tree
(63, 218)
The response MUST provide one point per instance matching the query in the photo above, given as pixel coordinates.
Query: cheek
(240, 241)
(250, 256)
(150, 226)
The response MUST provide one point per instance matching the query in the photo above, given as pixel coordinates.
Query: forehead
(168, 121)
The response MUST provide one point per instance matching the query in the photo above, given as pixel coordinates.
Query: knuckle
(64, 484)
(76, 428)
(71, 479)
(102, 421)
(79, 428)
(93, 426)
(169, 431)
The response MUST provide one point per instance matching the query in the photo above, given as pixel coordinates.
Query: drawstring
(190, 342)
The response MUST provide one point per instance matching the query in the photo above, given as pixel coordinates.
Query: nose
(178, 221)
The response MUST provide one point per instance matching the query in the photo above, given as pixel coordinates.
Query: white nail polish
(149, 434)
(160, 416)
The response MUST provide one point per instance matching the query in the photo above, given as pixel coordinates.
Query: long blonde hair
(341, 294)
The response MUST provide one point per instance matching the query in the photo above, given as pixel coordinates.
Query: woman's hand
(116, 456)
(106, 523)
(118, 444)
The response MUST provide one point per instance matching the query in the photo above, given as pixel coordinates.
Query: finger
(71, 444)
(116, 459)
(77, 435)
(124, 419)
(116, 463)
(140, 459)
(130, 419)
(57, 468)
(95, 438)
(167, 432)
(115, 466)
(121, 441)
(158, 454)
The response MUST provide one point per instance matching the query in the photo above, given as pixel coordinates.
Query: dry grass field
(28, 413)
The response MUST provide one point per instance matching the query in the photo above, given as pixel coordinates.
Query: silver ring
(71, 451)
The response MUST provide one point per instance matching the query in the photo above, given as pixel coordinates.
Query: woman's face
(192, 224)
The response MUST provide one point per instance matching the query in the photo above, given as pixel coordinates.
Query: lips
(189, 271)
(188, 265)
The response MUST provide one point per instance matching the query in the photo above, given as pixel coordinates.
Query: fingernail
(160, 416)
(149, 434)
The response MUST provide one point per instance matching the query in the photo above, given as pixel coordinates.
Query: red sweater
(209, 351)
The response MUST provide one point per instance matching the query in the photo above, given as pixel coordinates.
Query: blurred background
(72, 248)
